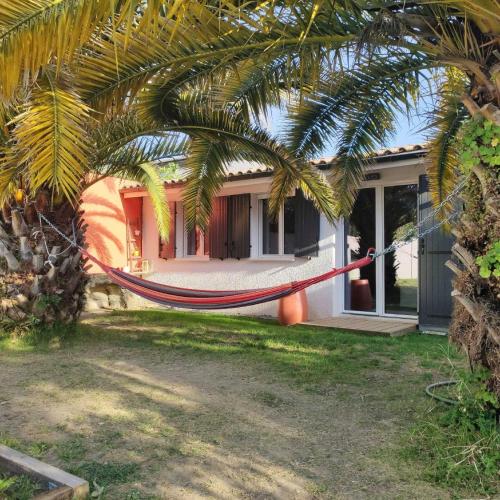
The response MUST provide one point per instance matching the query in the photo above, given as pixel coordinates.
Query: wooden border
(65, 485)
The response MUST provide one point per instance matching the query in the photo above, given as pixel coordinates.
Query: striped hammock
(217, 299)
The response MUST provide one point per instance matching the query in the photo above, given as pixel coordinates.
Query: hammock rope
(223, 299)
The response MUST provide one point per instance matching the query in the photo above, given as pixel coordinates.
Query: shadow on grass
(307, 354)
(127, 397)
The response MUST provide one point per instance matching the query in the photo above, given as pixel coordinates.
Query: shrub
(459, 446)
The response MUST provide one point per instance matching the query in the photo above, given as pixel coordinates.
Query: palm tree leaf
(33, 32)
(105, 78)
(205, 168)
(11, 171)
(51, 137)
(318, 118)
(148, 175)
(125, 140)
(146, 150)
(251, 87)
(311, 182)
(220, 138)
(443, 150)
(368, 126)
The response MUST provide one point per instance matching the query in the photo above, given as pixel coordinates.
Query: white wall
(255, 272)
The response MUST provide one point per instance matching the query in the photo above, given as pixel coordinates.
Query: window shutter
(167, 249)
(306, 227)
(239, 226)
(133, 217)
(217, 243)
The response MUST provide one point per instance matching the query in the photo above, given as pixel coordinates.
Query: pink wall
(106, 234)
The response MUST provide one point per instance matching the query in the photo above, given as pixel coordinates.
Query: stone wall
(101, 293)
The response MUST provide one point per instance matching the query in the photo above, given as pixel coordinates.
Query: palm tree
(95, 88)
(402, 52)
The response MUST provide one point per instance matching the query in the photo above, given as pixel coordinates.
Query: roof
(390, 154)
(247, 169)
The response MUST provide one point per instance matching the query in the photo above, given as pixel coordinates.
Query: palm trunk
(476, 317)
(42, 277)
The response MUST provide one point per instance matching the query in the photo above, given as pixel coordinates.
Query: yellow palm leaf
(51, 139)
(36, 32)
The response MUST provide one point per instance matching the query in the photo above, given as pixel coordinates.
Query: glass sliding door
(360, 285)
(401, 266)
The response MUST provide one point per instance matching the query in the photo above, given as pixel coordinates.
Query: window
(270, 231)
(360, 285)
(277, 234)
(196, 243)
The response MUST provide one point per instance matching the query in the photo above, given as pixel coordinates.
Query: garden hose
(428, 391)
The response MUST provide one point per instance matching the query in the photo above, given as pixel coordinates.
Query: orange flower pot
(361, 295)
(293, 309)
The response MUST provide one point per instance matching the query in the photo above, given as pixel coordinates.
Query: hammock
(216, 299)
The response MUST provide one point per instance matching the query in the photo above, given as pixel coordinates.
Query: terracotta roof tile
(247, 168)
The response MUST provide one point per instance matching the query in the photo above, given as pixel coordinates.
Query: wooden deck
(367, 324)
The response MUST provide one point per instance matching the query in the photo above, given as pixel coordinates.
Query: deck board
(375, 325)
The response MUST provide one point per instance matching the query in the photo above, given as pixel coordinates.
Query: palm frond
(105, 78)
(252, 87)
(50, 137)
(313, 184)
(205, 167)
(148, 149)
(368, 126)
(485, 13)
(446, 121)
(148, 175)
(158, 102)
(116, 66)
(315, 121)
(125, 140)
(219, 138)
(34, 32)
(11, 171)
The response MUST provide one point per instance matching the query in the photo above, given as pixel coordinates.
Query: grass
(460, 457)
(150, 404)
(20, 487)
(460, 444)
(106, 474)
(308, 355)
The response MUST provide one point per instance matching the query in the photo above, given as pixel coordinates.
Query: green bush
(459, 446)
(489, 264)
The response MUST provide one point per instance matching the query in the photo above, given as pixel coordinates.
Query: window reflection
(360, 284)
(401, 266)
(270, 231)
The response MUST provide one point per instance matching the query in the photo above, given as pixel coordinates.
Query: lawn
(161, 404)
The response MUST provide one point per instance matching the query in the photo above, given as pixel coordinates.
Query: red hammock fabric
(217, 299)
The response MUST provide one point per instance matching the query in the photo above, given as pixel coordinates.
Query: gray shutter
(306, 227)
(239, 226)
(435, 280)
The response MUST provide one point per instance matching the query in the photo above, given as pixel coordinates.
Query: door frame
(379, 243)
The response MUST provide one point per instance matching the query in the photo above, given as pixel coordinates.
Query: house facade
(244, 248)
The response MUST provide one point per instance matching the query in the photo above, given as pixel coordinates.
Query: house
(245, 249)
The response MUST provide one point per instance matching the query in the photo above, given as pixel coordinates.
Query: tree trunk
(42, 277)
(475, 322)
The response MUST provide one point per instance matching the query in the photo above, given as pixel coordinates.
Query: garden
(164, 404)
(161, 404)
